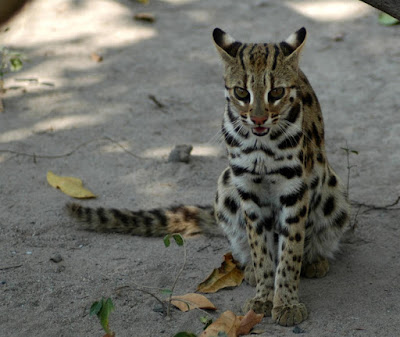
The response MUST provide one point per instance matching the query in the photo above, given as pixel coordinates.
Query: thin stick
(11, 267)
(67, 154)
(375, 207)
(140, 288)
(177, 277)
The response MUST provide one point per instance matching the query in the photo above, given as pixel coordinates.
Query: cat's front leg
(287, 309)
(259, 229)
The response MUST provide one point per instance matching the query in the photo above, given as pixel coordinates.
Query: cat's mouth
(260, 131)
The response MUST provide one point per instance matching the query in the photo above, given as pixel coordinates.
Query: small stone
(338, 37)
(158, 308)
(298, 330)
(56, 258)
(180, 153)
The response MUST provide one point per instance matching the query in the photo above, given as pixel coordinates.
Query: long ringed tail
(187, 220)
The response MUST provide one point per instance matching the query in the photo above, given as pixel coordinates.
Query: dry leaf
(96, 57)
(69, 185)
(148, 17)
(228, 275)
(228, 322)
(233, 325)
(248, 321)
(192, 301)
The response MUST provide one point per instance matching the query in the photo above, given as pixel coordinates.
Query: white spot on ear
(227, 39)
(292, 39)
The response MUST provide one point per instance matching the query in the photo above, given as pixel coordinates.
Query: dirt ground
(160, 84)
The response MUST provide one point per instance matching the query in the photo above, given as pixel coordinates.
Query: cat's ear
(294, 44)
(226, 45)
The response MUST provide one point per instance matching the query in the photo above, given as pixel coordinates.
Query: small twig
(355, 222)
(177, 277)
(67, 154)
(349, 167)
(156, 101)
(140, 288)
(375, 207)
(11, 267)
(204, 247)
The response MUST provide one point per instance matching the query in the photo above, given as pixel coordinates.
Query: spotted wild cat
(279, 203)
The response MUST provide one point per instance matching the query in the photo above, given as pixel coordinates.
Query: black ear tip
(217, 35)
(218, 31)
(302, 33)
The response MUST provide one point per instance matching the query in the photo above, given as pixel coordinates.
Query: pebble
(298, 330)
(180, 153)
(56, 258)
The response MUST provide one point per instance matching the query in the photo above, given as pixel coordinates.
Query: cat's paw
(316, 269)
(249, 275)
(289, 314)
(259, 306)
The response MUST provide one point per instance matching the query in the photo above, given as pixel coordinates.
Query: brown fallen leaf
(248, 321)
(233, 325)
(228, 322)
(192, 301)
(228, 275)
(69, 185)
(148, 17)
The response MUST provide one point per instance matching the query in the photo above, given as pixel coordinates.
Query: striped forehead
(259, 57)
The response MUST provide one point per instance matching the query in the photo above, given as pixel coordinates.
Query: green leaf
(16, 64)
(178, 239)
(166, 291)
(354, 151)
(102, 309)
(167, 240)
(387, 20)
(185, 334)
(206, 321)
(106, 310)
(96, 307)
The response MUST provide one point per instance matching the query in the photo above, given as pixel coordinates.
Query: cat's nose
(259, 120)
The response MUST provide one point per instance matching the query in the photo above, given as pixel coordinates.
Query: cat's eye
(277, 93)
(241, 94)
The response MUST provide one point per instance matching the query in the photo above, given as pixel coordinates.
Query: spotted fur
(279, 203)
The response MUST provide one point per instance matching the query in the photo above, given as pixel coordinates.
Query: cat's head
(261, 79)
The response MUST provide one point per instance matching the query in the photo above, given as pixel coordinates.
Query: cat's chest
(262, 160)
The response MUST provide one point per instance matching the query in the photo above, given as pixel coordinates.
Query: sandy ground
(353, 64)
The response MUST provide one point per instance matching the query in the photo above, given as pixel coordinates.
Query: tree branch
(391, 7)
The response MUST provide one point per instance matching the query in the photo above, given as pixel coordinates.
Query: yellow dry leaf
(192, 301)
(228, 322)
(69, 185)
(233, 325)
(228, 275)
